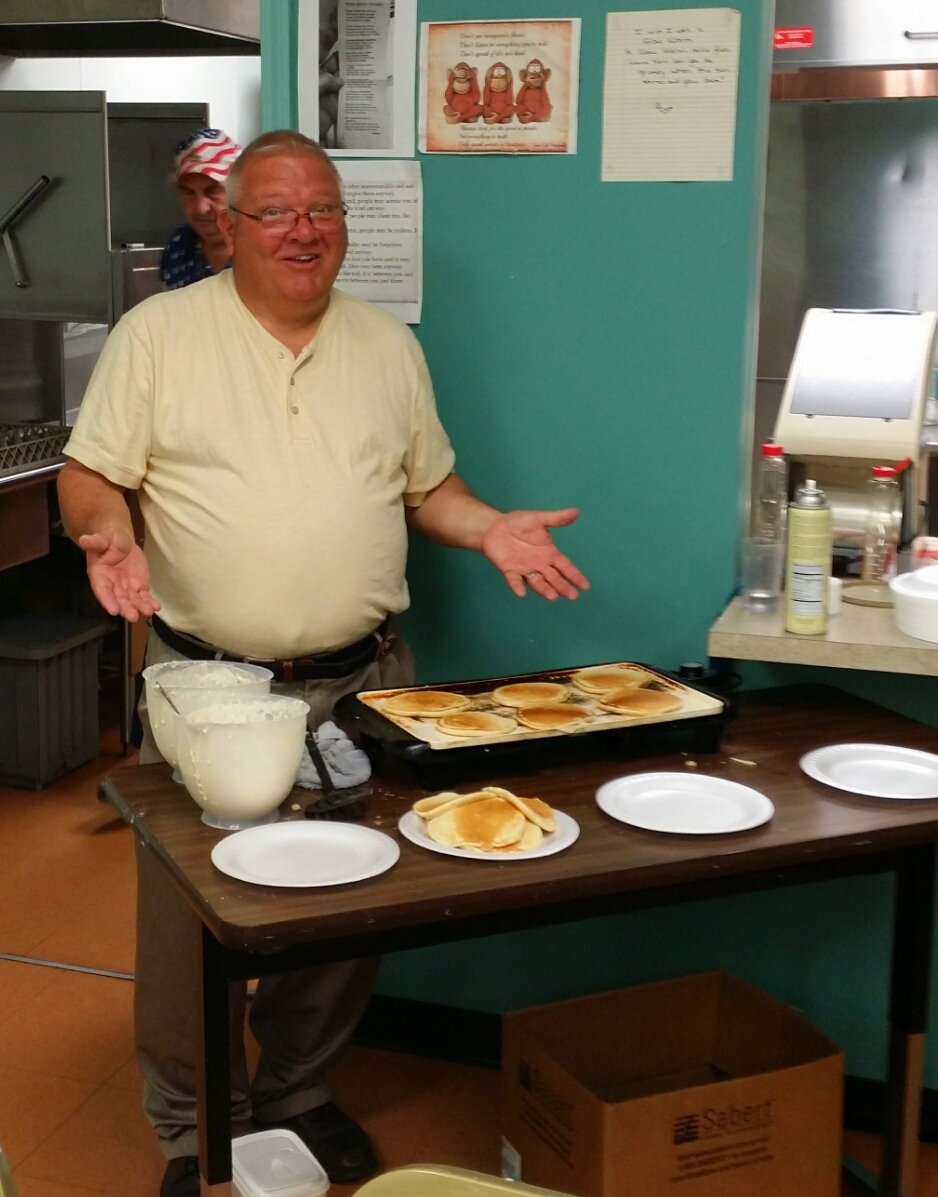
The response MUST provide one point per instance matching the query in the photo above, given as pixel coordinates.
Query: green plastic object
(430, 1180)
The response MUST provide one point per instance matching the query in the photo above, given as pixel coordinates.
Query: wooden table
(817, 833)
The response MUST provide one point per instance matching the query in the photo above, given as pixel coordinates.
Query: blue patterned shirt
(182, 262)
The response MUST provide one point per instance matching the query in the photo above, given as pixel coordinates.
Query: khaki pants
(302, 1020)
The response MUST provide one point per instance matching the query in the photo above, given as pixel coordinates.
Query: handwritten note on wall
(669, 95)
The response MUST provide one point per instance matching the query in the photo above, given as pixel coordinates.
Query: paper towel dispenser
(858, 385)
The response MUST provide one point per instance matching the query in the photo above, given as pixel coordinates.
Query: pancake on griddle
(475, 723)
(525, 694)
(424, 704)
(601, 678)
(554, 716)
(640, 702)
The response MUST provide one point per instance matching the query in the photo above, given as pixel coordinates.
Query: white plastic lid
(276, 1162)
(922, 582)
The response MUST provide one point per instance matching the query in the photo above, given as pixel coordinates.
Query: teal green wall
(590, 345)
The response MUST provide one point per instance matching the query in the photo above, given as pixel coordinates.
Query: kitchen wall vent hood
(92, 28)
(846, 33)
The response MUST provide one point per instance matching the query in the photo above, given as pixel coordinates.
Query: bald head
(279, 142)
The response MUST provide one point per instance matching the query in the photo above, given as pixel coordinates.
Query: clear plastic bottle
(882, 525)
(764, 551)
(772, 495)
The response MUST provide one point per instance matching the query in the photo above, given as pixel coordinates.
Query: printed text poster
(499, 87)
(356, 63)
(385, 235)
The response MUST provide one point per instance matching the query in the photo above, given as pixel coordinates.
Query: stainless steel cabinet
(861, 32)
(109, 185)
(61, 242)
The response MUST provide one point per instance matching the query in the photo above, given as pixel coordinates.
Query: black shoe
(181, 1178)
(340, 1144)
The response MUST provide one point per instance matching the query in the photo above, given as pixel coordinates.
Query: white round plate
(684, 803)
(413, 828)
(303, 854)
(875, 770)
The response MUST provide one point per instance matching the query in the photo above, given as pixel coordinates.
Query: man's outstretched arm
(516, 542)
(97, 518)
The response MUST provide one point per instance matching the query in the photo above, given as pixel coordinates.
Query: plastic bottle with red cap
(883, 515)
(772, 494)
(764, 551)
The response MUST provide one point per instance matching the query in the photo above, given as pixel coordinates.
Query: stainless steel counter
(38, 471)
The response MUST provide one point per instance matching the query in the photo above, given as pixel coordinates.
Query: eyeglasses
(284, 220)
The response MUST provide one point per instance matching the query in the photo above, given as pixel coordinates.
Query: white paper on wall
(384, 263)
(669, 95)
(356, 63)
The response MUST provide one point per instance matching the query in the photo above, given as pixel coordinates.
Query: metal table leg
(127, 685)
(213, 1075)
(908, 1017)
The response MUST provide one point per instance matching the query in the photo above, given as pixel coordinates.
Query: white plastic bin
(275, 1163)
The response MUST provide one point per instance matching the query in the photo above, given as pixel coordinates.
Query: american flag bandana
(205, 152)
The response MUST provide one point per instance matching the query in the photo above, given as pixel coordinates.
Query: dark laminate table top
(812, 824)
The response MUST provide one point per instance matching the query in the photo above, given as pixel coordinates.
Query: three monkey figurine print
(496, 103)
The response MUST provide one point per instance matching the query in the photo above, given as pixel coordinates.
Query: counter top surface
(812, 824)
(857, 638)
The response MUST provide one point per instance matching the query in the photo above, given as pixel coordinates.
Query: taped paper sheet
(384, 263)
(669, 95)
(356, 61)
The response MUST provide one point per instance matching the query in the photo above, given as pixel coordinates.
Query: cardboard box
(697, 1087)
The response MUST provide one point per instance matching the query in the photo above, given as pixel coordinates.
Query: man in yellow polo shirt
(282, 437)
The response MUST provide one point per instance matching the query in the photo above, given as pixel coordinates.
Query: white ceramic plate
(413, 828)
(684, 803)
(304, 854)
(875, 770)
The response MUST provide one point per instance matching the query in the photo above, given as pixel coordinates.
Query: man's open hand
(520, 545)
(118, 573)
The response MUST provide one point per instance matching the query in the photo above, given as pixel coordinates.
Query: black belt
(341, 663)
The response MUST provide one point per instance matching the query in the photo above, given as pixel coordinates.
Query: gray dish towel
(347, 765)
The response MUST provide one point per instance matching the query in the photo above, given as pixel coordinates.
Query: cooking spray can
(808, 565)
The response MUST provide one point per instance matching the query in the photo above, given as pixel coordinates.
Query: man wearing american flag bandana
(197, 249)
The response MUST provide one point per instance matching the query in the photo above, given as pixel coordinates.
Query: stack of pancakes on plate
(490, 820)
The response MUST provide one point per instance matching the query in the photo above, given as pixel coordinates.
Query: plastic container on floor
(48, 696)
(275, 1163)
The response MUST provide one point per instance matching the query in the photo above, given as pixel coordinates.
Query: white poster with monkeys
(499, 87)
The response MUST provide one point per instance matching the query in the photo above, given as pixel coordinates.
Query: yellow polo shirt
(272, 487)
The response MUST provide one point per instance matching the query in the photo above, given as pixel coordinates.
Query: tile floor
(70, 1113)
